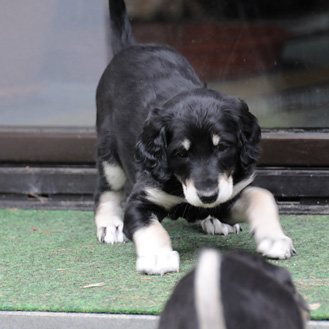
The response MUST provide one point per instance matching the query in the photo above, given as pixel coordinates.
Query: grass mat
(51, 261)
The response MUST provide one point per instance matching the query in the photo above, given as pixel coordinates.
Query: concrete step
(51, 320)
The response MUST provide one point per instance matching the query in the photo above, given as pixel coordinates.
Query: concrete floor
(48, 320)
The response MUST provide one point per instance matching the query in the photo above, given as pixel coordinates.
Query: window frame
(55, 168)
(280, 148)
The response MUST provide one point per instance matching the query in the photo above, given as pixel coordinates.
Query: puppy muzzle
(208, 197)
(211, 197)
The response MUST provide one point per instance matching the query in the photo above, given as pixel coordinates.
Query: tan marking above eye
(186, 144)
(215, 139)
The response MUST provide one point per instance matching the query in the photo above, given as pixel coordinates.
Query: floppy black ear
(150, 154)
(249, 139)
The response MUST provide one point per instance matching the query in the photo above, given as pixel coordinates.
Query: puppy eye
(222, 147)
(181, 153)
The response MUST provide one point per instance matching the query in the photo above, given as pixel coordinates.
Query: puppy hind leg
(108, 210)
(258, 207)
(108, 218)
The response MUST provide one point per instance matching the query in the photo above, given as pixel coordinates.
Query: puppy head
(207, 140)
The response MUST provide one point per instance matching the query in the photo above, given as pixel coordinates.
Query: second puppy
(234, 290)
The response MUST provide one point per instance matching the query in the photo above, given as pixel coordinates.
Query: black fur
(254, 295)
(121, 36)
(148, 100)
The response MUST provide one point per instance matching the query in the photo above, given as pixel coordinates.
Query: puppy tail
(121, 33)
(207, 291)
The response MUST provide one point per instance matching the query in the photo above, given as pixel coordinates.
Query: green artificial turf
(51, 261)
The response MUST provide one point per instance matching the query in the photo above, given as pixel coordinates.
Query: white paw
(108, 218)
(111, 233)
(280, 247)
(213, 226)
(160, 263)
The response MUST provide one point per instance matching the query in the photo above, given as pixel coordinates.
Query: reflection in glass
(52, 55)
(275, 55)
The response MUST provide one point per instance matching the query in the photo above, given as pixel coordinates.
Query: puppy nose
(208, 197)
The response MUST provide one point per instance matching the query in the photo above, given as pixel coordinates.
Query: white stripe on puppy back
(207, 291)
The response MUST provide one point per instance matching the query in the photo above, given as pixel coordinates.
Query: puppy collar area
(161, 198)
(237, 188)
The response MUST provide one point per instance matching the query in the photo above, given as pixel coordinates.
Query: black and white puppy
(168, 146)
(234, 290)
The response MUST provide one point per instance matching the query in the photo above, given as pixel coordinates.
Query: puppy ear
(249, 139)
(151, 154)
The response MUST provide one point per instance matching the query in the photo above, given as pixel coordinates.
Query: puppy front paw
(213, 226)
(280, 247)
(112, 233)
(158, 263)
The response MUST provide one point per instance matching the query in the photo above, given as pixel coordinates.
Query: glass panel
(52, 55)
(274, 54)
